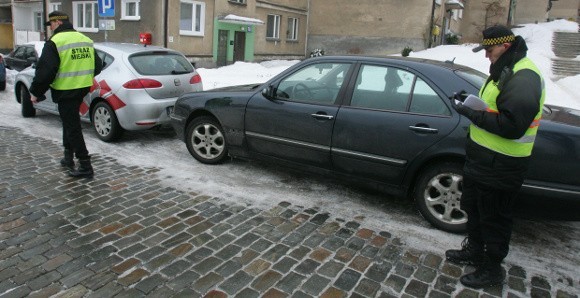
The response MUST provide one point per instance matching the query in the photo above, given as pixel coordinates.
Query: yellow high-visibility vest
(77, 64)
(512, 147)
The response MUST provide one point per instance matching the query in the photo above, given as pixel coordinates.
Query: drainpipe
(43, 20)
(165, 17)
(307, 30)
(431, 23)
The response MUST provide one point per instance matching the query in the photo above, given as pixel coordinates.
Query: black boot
(68, 160)
(488, 274)
(469, 254)
(85, 169)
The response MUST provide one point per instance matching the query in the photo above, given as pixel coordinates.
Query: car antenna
(450, 61)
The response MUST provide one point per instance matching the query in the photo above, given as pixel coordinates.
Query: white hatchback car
(136, 89)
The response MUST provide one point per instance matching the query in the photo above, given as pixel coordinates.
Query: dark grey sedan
(386, 122)
(23, 55)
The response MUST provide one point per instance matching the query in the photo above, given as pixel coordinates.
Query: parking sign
(106, 8)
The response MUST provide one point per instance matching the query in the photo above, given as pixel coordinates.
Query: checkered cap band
(54, 18)
(498, 40)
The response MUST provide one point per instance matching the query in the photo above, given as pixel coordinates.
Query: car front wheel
(437, 195)
(206, 141)
(27, 106)
(105, 122)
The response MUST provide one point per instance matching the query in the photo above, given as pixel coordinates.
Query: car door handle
(423, 129)
(322, 116)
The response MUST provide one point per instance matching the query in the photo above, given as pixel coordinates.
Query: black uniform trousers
(490, 217)
(72, 134)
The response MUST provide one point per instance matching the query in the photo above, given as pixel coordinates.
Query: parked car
(383, 121)
(2, 74)
(136, 89)
(24, 55)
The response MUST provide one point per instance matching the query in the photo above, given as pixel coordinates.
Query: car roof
(129, 48)
(417, 63)
(38, 45)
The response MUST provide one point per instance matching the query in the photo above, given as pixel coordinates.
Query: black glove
(40, 98)
(460, 96)
(459, 106)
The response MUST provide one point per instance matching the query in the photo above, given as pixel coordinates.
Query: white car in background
(136, 89)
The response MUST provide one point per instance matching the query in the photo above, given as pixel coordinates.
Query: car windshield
(472, 76)
(160, 63)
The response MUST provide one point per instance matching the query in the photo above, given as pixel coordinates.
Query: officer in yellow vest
(67, 66)
(498, 151)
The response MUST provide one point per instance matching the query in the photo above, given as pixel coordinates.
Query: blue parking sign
(106, 8)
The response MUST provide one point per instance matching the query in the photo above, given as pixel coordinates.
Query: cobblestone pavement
(123, 234)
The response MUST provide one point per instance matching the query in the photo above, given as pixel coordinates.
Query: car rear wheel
(206, 141)
(105, 122)
(437, 194)
(27, 107)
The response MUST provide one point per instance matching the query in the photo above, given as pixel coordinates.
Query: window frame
(38, 23)
(194, 5)
(276, 26)
(76, 16)
(293, 26)
(125, 16)
(55, 6)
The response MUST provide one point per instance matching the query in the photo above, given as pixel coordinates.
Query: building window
(238, 1)
(130, 10)
(273, 30)
(85, 16)
(55, 6)
(38, 21)
(192, 18)
(292, 29)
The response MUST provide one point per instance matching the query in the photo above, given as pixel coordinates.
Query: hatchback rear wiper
(179, 72)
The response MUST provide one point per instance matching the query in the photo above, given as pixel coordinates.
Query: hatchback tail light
(195, 79)
(142, 84)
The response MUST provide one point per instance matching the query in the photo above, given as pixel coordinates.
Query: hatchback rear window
(160, 64)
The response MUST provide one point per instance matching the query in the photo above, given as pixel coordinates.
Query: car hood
(248, 87)
(562, 115)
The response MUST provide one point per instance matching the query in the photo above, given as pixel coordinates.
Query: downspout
(307, 30)
(44, 19)
(510, 17)
(165, 17)
(431, 23)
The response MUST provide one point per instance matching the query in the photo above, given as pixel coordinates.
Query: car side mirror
(268, 92)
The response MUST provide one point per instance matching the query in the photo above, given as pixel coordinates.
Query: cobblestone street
(124, 234)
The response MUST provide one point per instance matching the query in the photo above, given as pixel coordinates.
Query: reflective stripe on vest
(77, 64)
(519, 147)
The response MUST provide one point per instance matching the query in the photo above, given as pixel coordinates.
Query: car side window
(316, 83)
(30, 53)
(20, 53)
(426, 101)
(107, 59)
(380, 87)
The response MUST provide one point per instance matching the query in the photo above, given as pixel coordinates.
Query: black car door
(393, 116)
(295, 123)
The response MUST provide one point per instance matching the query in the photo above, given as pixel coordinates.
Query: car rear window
(163, 63)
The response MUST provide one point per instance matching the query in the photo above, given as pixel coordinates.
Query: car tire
(26, 105)
(205, 140)
(437, 194)
(2, 85)
(105, 122)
